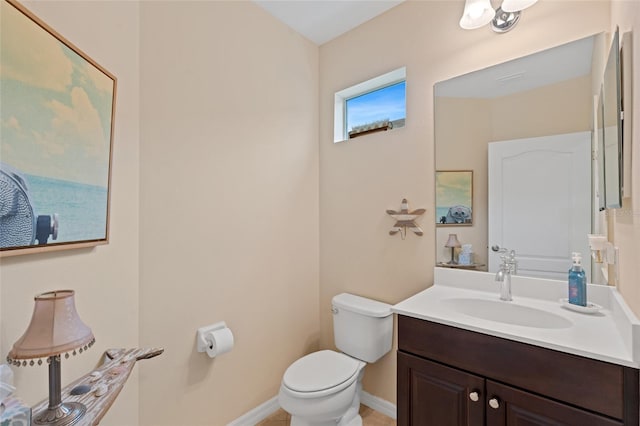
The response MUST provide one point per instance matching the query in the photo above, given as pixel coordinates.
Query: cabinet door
(508, 406)
(431, 394)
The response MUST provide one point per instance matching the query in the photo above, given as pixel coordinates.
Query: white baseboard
(379, 404)
(258, 414)
(266, 409)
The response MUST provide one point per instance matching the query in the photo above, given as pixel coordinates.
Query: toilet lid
(319, 371)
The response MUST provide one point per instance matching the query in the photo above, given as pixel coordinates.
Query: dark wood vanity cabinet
(449, 377)
(434, 394)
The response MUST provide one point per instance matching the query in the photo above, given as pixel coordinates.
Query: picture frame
(454, 197)
(57, 126)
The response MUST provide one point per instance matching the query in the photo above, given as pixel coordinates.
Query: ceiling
(323, 20)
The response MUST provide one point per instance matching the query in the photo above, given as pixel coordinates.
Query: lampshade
(55, 328)
(476, 14)
(453, 241)
(516, 5)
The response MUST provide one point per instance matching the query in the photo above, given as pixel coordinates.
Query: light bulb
(476, 14)
(516, 5)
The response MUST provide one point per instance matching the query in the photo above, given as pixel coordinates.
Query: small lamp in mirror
(452, 243)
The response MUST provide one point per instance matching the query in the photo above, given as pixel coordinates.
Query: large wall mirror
(527, 129)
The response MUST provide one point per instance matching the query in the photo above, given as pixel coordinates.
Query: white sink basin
(507, 312)
(469, 300)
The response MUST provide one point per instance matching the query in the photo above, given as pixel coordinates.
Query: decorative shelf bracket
(405, 219)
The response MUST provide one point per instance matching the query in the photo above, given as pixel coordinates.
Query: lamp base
(65, 414)
(452, 261)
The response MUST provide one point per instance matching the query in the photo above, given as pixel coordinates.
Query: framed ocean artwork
(454, 197)
(56, 137)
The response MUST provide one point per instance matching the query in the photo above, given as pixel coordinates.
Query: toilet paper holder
(202, 343)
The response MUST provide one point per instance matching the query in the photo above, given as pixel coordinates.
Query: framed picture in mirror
(454, 197)
(57, 126)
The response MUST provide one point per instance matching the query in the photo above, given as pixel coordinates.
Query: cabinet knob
(474, 396)
(494, 403)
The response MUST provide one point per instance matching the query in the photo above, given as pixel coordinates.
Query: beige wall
(359, 180)
(223, 195)
(229, 206)
(464, 147)
(565, 107)
(626, 222)
(105, 278)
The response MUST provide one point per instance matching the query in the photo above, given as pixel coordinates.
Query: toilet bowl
(324, 387)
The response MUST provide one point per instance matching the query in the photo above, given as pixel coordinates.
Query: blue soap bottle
(577, 282)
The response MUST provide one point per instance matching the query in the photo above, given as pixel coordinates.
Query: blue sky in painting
(55, 118)
(385, 103)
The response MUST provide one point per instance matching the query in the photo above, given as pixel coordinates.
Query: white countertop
(611, 335)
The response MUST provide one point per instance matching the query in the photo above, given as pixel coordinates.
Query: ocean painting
(454, 198)
(56, 125)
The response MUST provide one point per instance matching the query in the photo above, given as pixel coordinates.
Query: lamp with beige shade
(55, 329)
(453, 243)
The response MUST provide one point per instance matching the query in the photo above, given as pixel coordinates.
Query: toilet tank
(362, 328)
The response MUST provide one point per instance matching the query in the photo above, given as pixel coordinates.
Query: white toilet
(323, 388)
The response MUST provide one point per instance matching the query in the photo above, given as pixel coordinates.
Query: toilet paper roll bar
(206, 333)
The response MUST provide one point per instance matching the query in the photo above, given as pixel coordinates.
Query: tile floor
(370, 417)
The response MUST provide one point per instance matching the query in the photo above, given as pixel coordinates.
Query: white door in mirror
(535, 185)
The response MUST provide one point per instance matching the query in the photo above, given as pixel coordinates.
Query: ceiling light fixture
(478, 13)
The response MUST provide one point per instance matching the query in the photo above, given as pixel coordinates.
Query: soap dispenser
(577, 282)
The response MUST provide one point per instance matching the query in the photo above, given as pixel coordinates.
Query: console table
(101, 386)
(459, 266)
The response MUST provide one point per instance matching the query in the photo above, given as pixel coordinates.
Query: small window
(375, 105)
(381, 109)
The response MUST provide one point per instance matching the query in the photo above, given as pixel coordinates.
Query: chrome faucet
(508, 267)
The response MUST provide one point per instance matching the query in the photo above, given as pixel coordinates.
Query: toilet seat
(321, 373)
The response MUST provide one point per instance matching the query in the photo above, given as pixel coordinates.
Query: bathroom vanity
(467, 358)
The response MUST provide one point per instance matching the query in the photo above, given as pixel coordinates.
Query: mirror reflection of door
(535, 187)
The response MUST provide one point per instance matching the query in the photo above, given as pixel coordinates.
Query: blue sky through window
(385, 103)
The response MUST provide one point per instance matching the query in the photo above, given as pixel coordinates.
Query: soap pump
(577, 282)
